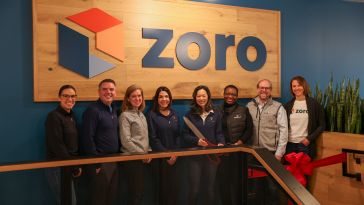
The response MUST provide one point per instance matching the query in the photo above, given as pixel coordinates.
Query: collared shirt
(205, 114)
(61, 134)
(163, 131)
(99, 130)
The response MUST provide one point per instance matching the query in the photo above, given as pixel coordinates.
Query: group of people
(264, 122)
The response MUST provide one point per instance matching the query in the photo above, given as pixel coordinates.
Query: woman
(306, 119)
(62, 143)
(163, 129)
(237, 125)
(134, 139)
(201, 170)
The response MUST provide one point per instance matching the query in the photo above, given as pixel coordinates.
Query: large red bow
(301, 165)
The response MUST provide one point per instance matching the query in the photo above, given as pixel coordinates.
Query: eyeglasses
(265, 88)
(69, 96)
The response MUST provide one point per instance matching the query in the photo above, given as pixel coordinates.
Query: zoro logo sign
(74, 52)
(152, 58)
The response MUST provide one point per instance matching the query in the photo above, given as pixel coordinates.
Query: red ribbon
(301, 165)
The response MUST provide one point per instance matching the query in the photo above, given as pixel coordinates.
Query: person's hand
(279, 158)
(77, 173)
(98, 170)
(220, 145)
(202, 143)
(305, 141)
(147, 161)
(172, 160)
(239, 142)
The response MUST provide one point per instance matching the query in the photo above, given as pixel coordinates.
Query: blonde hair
(270, 82)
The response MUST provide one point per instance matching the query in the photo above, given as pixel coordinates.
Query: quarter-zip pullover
(163, 131)
(100, 130)
(133, 132)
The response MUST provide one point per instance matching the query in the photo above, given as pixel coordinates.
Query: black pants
(229, 185)
(167, 181)
(102, 187)
(202, 174)
(135, 181)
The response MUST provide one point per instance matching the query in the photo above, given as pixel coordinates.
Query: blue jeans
(54, 180)
(297, 147)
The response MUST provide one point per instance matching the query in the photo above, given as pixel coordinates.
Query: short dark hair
(195, 108)
(64, 87)
(301, 81)
(107, 80)
(233, 87)
(155, 106)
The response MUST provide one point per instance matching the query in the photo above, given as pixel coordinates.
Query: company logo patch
(74, 52)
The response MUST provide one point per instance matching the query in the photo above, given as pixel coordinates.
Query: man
(270, 131)
(270, 121)
(237, 127)
(100, 137)
(62, 143)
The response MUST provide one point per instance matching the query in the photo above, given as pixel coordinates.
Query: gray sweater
(133, 132)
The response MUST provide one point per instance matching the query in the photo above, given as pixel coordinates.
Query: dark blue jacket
(163, 131)
(99, 130)
(211, 129)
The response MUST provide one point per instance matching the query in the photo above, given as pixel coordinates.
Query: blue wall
(318, 37)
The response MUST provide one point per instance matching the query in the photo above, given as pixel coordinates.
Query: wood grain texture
(327, 183)
(179, 16)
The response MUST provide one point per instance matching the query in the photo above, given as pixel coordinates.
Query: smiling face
(297, 89)
(67, 99)
(107, 92)
(136, 99)
(230, 96)
(264, 90)
(163, 100)
(202, 98)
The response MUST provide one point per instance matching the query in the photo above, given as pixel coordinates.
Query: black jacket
(61, 135)
(237, 123)
(316, 120)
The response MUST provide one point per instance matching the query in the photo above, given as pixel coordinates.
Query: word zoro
(164, 36)
(301, 111)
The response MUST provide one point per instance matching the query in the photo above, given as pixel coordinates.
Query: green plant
(343, 106)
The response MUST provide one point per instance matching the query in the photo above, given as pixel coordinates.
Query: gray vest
(265, 132)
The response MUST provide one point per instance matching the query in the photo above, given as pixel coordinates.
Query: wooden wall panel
(179, 16)
(327, 183)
